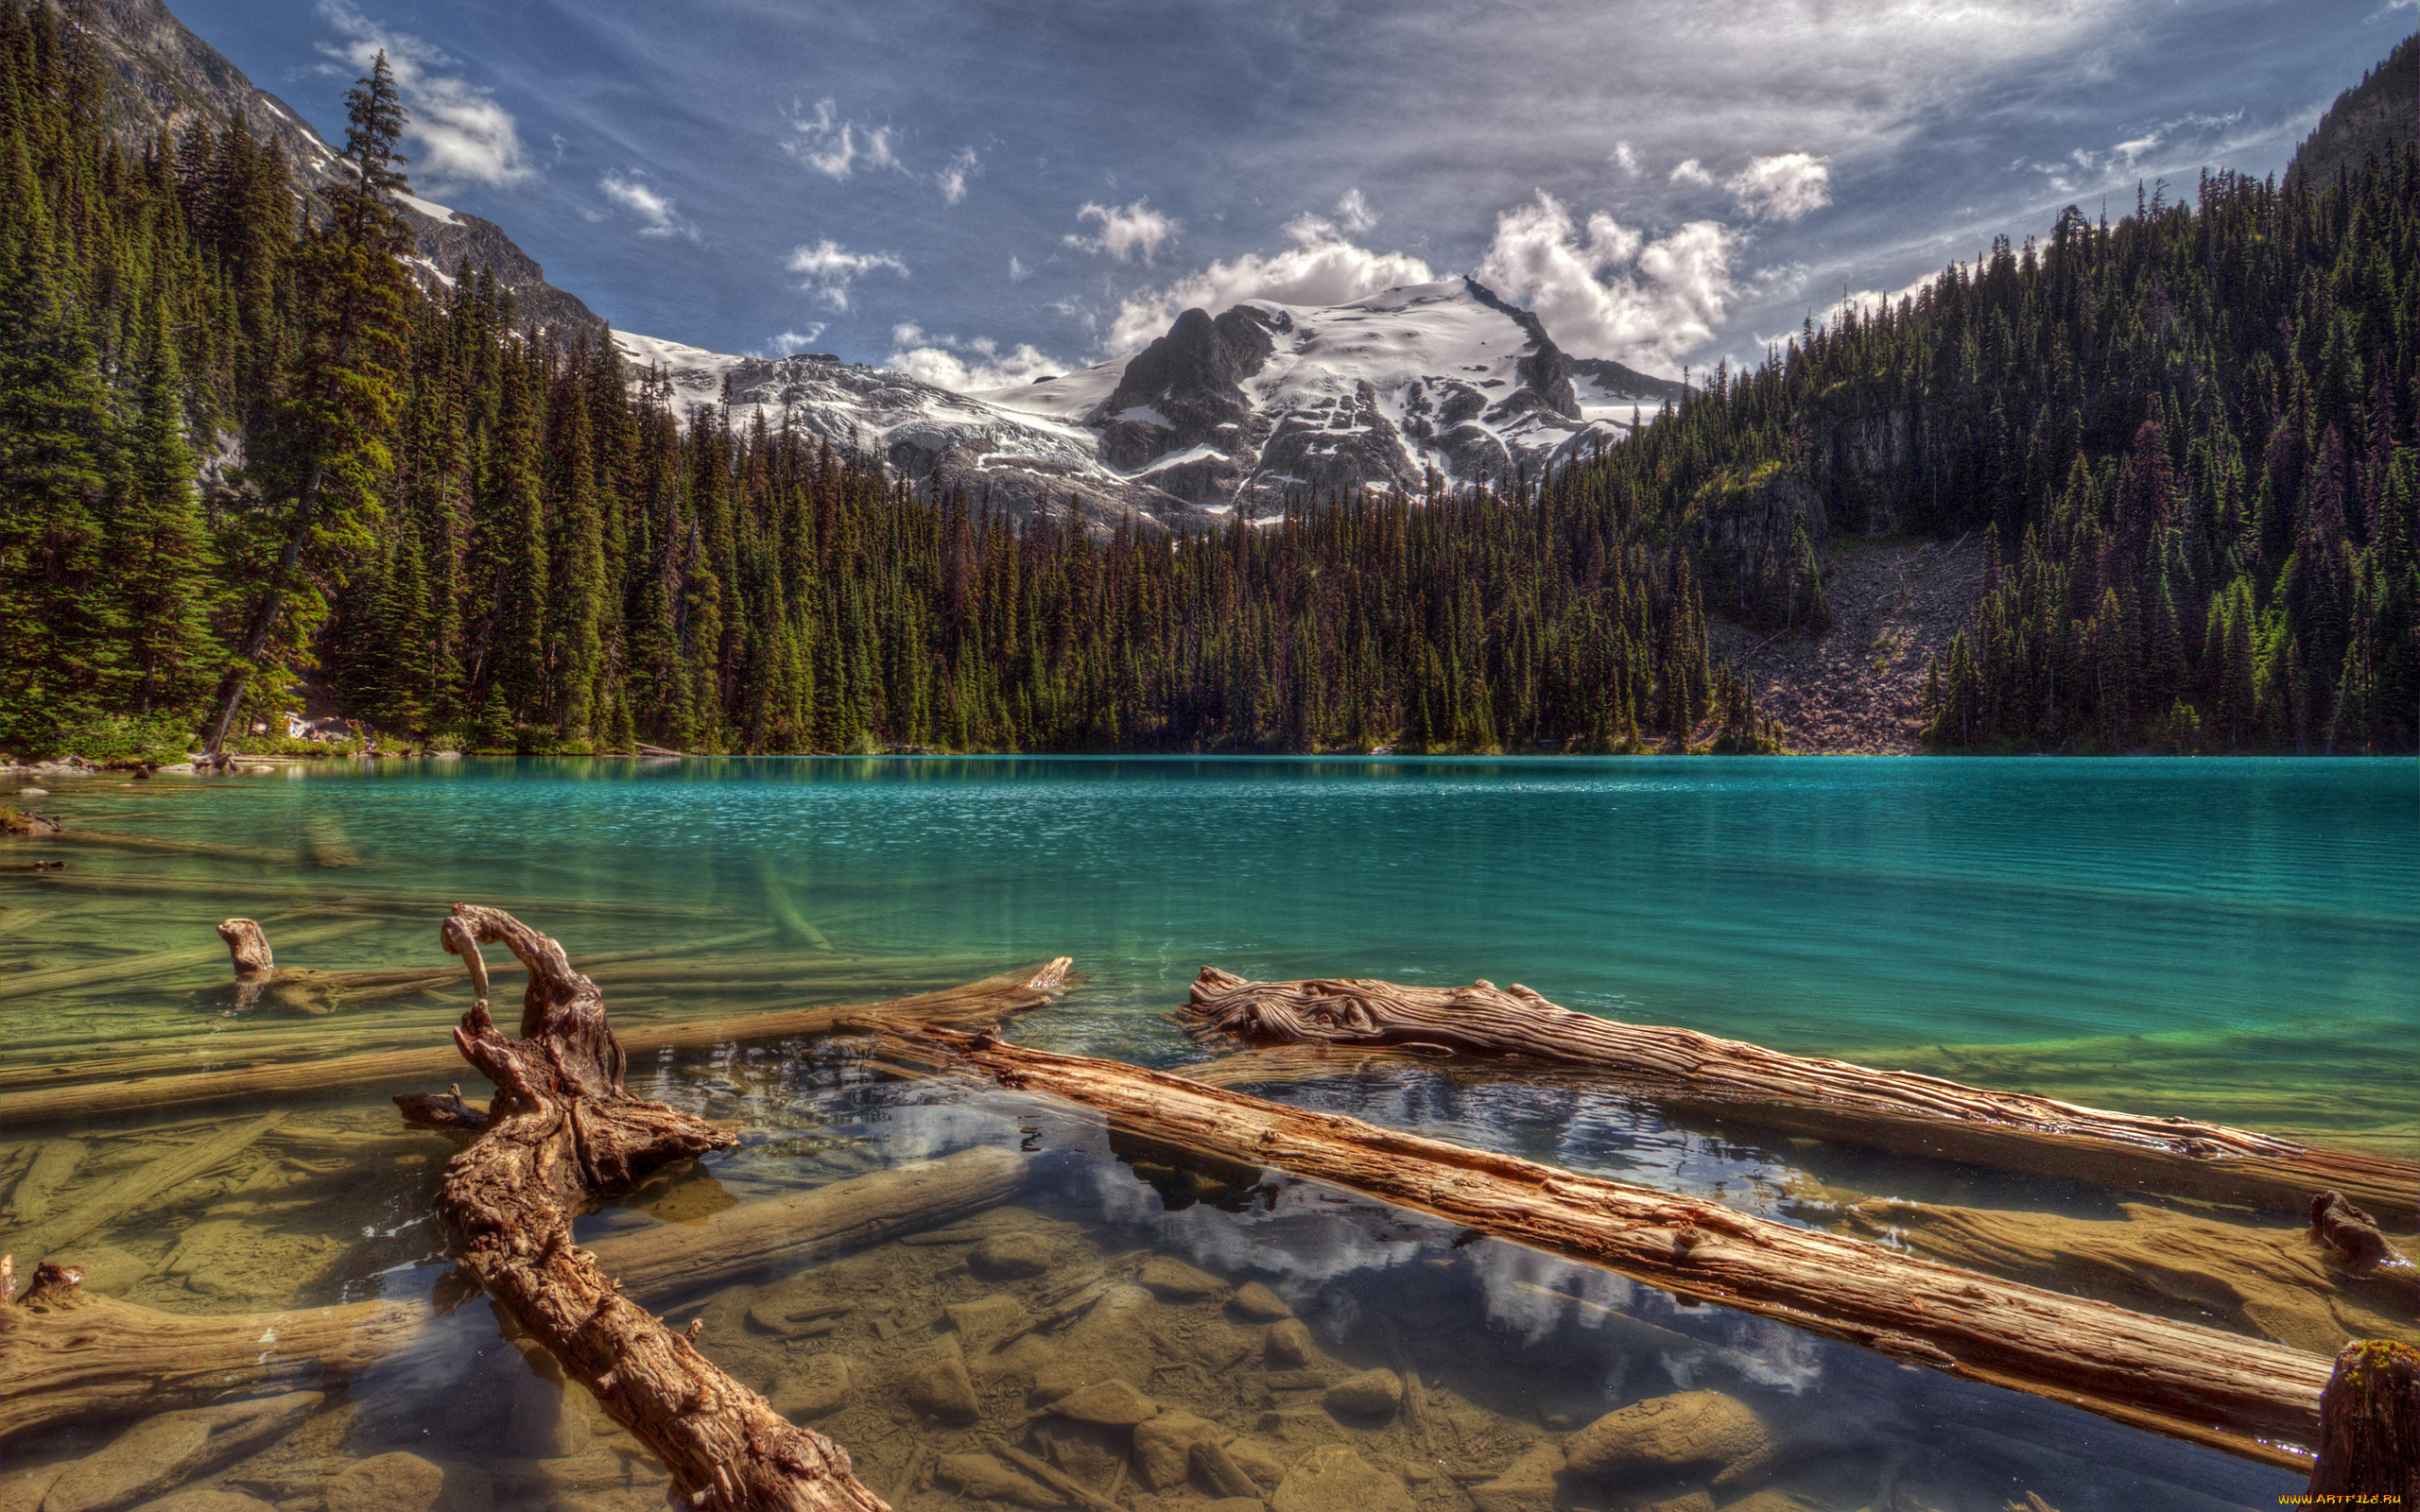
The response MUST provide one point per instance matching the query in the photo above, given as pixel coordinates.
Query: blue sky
(984, 191)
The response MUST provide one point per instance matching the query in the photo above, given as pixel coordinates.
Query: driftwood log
(2245, 1395)
(563, 1132)
(69, 1356)
(2368, 1451)
(1795, 1094)
(973, 1005)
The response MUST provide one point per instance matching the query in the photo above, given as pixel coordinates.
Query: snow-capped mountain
(1434, 384)
(938, 439)
(1440, 383)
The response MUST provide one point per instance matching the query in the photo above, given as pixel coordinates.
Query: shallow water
(2233, 940)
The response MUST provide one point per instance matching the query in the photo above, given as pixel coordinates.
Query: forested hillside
(237, 447)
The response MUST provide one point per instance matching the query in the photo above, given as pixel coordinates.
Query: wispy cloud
(1689, 171)
(1788, 187)
(833, 147)
(963, 165)
(1133, 231)
(630, 189)
(460, 131)
(967, 366)
(831, 269)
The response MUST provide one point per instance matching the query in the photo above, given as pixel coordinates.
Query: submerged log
(2247, 1396)
(152, 963)
(1901, 1111)
(71, 1357)
(563, 1131)
(972, 1005)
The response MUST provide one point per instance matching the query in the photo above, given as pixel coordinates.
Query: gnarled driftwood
(1896, 1111)
(563, 1132)
(2248, 1397)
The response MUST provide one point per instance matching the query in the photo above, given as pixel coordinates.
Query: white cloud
(963, 165)
(631, 192)
(966, 367)
(1137, 230)
(789, 342)
(1604, 290)
(830, 269)
(1624, 157)
(833, 147)
(1018, 272)
(1321, 267)
(1354, 213)
(1687, 171)
(1786, 187)
(462, 133)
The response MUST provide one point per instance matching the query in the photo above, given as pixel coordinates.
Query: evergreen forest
(240, 446)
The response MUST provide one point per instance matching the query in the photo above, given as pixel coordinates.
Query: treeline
(2189, 436)
(476, 534)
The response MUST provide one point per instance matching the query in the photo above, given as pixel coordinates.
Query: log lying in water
(564, 1130)
(70, 1357)
(973, 1005)
(1896, 1111)
(2245, 1395)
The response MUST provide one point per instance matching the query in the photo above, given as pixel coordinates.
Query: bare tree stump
(1901, 1111)
(2369, 1425)
(2248, 1397)
(561, 1131)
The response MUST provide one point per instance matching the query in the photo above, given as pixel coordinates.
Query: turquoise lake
(2231, 939)
(2262, 912)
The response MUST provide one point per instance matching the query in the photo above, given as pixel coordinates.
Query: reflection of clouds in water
(1303, 1246)
(1531, 1296)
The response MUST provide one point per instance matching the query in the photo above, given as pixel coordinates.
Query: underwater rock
(1108, 1342)
(1301, 1428)
(934, 1380)
(1011, 1256)
(1335, 1479)
(207, 1499)
(1180, 1282)
(397, 1482)
(986, 1320)
(23, 1490)
(1370, 1394)
(1113, 1403)
(1288, 1345)
(1258, 1461)
(161, 1453)
(1259, 1304)
(987, 1478)
(819, 1387)
(1164, 1448)
(1527, 1484)
(1665, 1433)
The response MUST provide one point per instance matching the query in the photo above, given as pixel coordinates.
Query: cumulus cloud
(1688, 171)
(833, 147)
(1604, 289)
(462, 134)
(1787, 187)
(1134, 230)
(1320, 266)
(969, 366)
(1353, 214)
(654, 209)
(1624, 157)
(952, 178)
(830, 269)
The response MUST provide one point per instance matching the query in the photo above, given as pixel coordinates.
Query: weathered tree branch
(2248, 1397)
(561, 1131)
(2369, 1451)
(1896, 1111)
